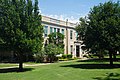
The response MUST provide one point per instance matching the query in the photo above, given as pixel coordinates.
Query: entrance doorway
(77, 51)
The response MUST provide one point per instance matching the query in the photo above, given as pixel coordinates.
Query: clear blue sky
(68, 9)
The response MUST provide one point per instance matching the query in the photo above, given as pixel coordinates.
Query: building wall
(68, 27)
(57, 27)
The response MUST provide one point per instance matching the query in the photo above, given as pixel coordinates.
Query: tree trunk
(110, 56)
(20, 66)
(101, 56)
(20, 61)
(114, 55)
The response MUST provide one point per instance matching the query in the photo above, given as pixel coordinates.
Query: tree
(57, 39)
(81, 27)
(20, 28)
(103, 30)
(52, 50)
(55, 46)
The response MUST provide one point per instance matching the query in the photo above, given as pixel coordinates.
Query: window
(45, 31)
(62, 31)
(51, 29)
(58, 30)
(54, 29)
(71, 49)
(71, 34)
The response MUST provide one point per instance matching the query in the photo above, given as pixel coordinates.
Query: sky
(68, 9)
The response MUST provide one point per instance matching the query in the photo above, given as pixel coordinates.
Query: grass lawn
(73, 70)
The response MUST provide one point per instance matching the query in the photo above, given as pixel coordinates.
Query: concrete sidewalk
(32, 65)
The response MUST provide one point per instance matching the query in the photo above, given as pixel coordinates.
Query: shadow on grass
(93, 66)
(109, 76)
(94, 60)
(99, 60)
(8, 70)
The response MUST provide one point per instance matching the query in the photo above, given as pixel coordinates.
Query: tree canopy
(103, 28)
(20, 27)
(57, 39)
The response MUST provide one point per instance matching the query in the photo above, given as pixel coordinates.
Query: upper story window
(71, 34)
(54, 29)
(58, 30)
(51, 29)
(62, 31)
(45, 31)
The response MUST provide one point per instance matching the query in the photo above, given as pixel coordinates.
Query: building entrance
(77, 51)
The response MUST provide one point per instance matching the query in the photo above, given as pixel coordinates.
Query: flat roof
(50, 20)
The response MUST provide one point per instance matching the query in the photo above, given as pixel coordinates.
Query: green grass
(74, 70)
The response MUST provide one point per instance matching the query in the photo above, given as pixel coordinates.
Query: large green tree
(103, 28)
(20, 27)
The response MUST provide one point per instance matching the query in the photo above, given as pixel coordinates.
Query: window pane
(45, 31)
(51, 29)
(58, 30)
(63, 31)
(54, 29)
(70, 34)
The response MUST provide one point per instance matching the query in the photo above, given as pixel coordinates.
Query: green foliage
(103, 28)
(55, 46)
(49, 54)
(39, 57)
(52, 50)
(64, 56)
(67, 56)
(56, 38)
(81, 28)
(20, 28)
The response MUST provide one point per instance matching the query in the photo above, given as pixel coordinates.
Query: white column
(80, 51)
(48, 30)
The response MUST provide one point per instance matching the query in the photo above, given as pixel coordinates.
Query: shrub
(39, 57)
(51, 51)
(64, 56)
(69, 56)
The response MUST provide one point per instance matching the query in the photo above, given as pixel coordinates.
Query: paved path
(25, 65)
(36, 64)
(32, 65)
